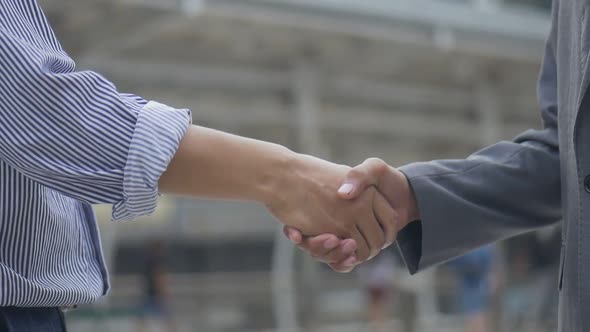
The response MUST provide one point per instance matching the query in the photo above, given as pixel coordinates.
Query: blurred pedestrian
(376, 277)
(156, 298)
(474, 271)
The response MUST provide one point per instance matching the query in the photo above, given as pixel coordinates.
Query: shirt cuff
(158, 132)
(409, 239)
(409, 242)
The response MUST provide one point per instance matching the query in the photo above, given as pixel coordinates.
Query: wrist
(407, 199)
(276, 176)
(413, 212)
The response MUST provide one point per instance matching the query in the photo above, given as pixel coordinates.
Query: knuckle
(348, 230)
(373, 161)
(394, 215)
(357, 173)
(377, 166)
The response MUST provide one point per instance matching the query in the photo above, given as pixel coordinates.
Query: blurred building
(402, 80)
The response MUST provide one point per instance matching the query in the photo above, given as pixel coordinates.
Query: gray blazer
(541, 177)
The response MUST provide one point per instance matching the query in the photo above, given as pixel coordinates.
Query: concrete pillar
(308, 140)
(488, 111)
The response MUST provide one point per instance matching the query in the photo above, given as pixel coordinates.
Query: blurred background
(402, 80)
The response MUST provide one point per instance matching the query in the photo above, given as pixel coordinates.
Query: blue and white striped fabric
(68, 139)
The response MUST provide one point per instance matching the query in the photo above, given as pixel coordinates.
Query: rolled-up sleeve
(74, 132)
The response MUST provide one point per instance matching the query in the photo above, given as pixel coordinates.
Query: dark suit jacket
(539, 178)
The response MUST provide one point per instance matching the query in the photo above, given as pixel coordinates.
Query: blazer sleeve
(503, 190)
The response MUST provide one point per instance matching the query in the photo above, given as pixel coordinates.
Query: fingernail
(331, 243)
(349, 247)
(346, 189)
(350, 261)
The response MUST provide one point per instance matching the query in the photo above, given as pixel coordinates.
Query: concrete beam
(249, 79)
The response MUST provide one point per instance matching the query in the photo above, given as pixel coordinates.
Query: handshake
(342, 216)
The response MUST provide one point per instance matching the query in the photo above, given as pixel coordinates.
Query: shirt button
(587, 183)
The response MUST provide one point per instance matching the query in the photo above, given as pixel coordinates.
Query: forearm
(218, 165)
(501, 191)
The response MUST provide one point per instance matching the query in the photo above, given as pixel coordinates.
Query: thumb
(361, 177)
(351, 187)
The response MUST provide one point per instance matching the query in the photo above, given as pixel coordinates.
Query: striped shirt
(68, 139)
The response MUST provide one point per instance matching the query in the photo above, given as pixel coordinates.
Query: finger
(346, 265)
(343, 251)
(371, 229)
(361, 177)
(374, 235)
(293, 234)
(319, 246)
(363, 251)
(387, 218)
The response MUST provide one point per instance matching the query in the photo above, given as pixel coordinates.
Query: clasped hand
(343, 216)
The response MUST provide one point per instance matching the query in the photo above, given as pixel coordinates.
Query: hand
(390, 182)
(306, 199)
(326, 248)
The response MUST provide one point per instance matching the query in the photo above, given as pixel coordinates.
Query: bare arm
(218, 165)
